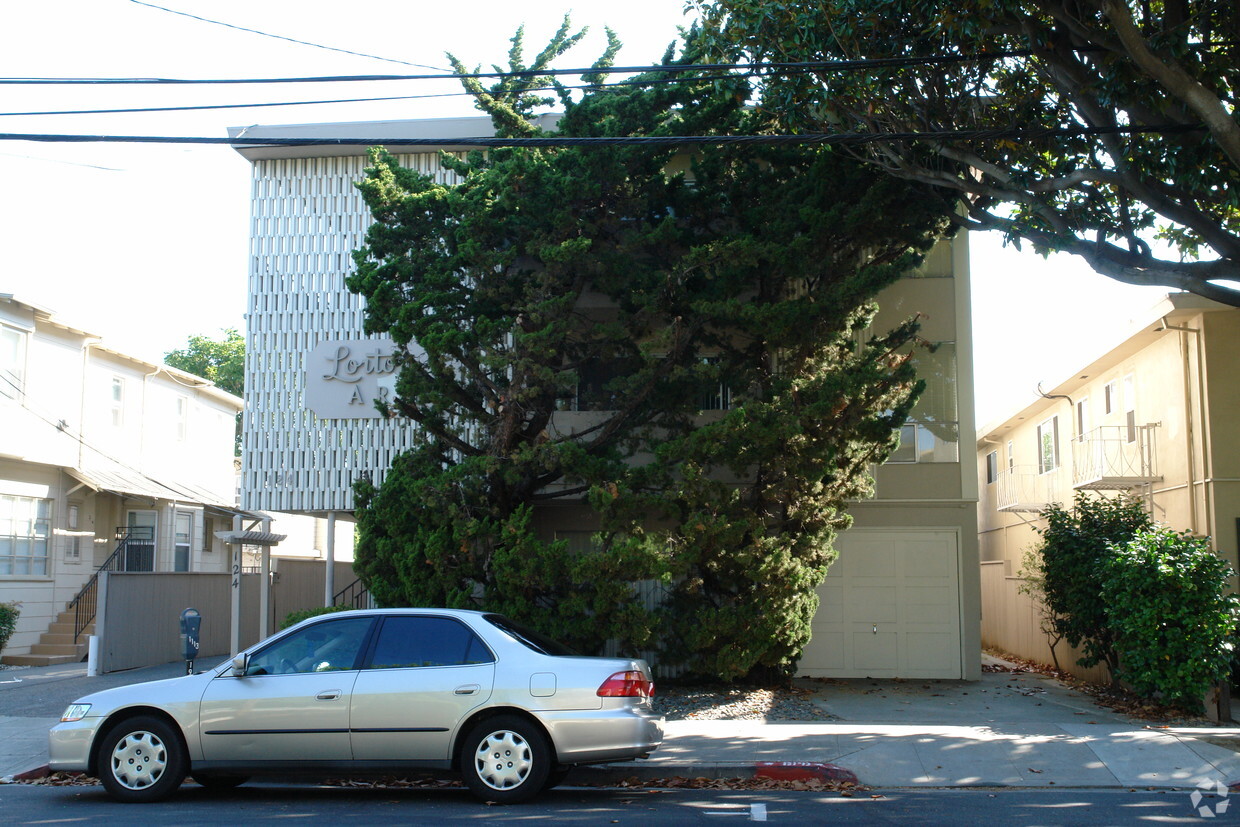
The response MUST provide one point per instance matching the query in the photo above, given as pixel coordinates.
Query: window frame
(1043, 467)
(37, 513)
(13, 386)
(117, 398)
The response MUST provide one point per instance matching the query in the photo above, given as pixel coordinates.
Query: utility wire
(148, 109)
(819, 139)
(676, 68)
(288, 39)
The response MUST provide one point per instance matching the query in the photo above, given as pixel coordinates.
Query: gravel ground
(731, 703)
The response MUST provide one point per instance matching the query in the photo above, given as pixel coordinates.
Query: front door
(140, 545)
(293, 703)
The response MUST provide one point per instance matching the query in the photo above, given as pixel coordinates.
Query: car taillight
(627, 685)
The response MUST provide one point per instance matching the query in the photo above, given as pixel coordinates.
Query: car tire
(506, 759)
(218, 782)
(556, 777)
(142, 759)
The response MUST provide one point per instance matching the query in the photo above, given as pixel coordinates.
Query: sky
(146, 244)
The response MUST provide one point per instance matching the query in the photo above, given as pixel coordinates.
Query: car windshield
(534, 640)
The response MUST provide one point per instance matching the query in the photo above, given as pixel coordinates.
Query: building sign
(344, 378)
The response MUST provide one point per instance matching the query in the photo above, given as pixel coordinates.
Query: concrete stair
(55, 645)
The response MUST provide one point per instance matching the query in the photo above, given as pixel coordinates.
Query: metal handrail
(85, 605)
(355, 595)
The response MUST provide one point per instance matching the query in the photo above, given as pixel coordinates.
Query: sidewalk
(1007, 729)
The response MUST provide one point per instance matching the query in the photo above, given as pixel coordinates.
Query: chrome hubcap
(139, 760)
(503, 760)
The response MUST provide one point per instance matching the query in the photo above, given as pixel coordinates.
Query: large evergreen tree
(677, 344)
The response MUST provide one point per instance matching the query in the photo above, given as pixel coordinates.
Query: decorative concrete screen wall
(311, 372)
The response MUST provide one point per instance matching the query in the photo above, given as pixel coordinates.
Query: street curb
(31, 775)
(619, 774)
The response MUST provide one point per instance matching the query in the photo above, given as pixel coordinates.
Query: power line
(205, 107)
(288, 39)
(677, 68)
(811, 139)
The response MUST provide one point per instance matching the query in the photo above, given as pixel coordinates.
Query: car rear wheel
(218, 782)
(141, 759)
(506, 759)
(556, 777)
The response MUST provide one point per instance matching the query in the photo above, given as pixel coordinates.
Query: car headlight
(75, 712)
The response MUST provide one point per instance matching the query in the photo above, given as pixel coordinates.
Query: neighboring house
(1155, 417)
(902, 599)
(104, 459)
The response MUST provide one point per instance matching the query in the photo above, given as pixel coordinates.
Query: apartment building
(105, 460)
(901, 600)
(1152, 417)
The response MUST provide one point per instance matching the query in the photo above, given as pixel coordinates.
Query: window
(1082, 417)
(932, 431)
(409, 642)
(182, 418)
(24, 530)
(718, 397)
(1110, 397)
(12, 361)
(1048, 445)
(118, 401)
(1011, 455)
(330, 646)
(1130, 409)
(600, 385)
(182, 540)
(73, 545)
(992, 467)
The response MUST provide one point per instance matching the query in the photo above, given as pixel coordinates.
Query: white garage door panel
(890, 607)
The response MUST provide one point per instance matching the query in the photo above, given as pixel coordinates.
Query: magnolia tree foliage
(673, 346)
(1164, 69)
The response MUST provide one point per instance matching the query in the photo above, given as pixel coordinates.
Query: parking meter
(191, 626)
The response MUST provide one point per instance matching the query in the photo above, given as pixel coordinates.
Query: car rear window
(531, 639)
(418, 641)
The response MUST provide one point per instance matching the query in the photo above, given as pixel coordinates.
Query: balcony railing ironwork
(1025, 488)
(1114, 457)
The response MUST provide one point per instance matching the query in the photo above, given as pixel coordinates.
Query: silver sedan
(364, 692)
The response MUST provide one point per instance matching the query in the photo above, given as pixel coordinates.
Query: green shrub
(293, 618)
(1171, 616)
(9, 612)
(1069, 564)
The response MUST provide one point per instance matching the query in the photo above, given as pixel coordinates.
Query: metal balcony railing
(1114, 457)
(1025, 488)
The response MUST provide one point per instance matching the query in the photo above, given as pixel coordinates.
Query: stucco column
(329, 579)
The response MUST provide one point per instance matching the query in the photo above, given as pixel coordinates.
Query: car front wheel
(142, 760)
(506, 759)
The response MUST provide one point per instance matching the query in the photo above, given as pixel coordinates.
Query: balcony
(1114, 458)
(1024, 488)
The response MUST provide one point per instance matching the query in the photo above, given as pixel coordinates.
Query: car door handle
(328, 695)
(468, 689)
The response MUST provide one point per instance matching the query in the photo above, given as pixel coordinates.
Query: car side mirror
(239, 664)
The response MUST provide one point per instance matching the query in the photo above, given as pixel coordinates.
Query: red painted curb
(31, 775)
(804, 771)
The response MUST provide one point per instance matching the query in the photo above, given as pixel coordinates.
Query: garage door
(889, 608)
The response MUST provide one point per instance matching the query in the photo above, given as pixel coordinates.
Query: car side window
(406, 642)
(322, 647)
